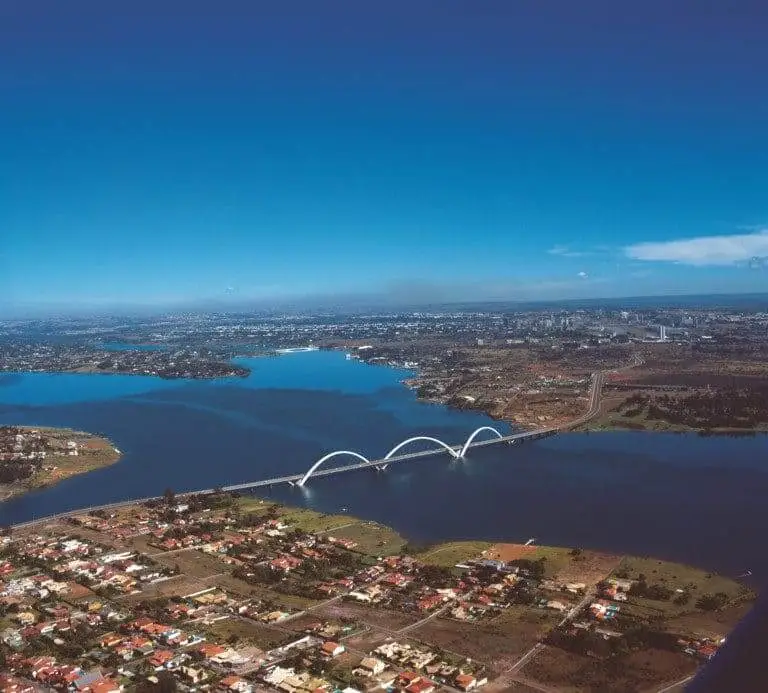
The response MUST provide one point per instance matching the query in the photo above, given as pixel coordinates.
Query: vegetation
(453, 552)
(720, 410)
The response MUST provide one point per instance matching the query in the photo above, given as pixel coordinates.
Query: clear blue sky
(162, 152)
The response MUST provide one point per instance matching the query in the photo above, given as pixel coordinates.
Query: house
(360, 596)
(421, 686)
(465, 682)
(110, 640)
(275, 676)
(236, 684)
(406, 678)
(285, 563)
(621, 585)
(193, 675)
(575, 587)
(603, 610)
(103, 685)
(556, 605)
(429, 602)
(161, 658)
(332, 649)
(369, 666)
(210, 650)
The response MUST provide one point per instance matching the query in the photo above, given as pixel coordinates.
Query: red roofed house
(421, 686)
(332, 649)
(465, 682)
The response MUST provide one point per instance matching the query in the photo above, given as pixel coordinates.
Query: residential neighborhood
(223, 593)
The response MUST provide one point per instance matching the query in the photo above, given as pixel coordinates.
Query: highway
(598, 380)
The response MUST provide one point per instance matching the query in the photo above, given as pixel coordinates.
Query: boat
(297, 350)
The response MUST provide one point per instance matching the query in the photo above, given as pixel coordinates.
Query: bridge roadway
(383, 463)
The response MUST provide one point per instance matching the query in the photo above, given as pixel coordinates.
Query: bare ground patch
(193, 563)
(632, 673)
(498, 643)
(509, 552)
(242, 631)
(589, 567)
(176, 586)
(378, 618)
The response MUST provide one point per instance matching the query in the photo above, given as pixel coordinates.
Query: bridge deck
(294, 478)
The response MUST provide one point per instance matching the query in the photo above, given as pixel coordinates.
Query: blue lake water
(684, 497)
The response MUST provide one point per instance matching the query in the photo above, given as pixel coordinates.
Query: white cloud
(565, 251)
(583, 275)
(705, 250)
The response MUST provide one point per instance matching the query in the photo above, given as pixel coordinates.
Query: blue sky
(174, 152)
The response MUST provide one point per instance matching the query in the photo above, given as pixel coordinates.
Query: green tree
(712, 602)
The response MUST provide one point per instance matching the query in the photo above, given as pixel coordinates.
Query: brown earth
(633, 673)
(378, 618)
(509, 552)
(498, 643)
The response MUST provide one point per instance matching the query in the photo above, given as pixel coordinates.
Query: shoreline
(417, 547)
(597, 424)
(86, 371)
(427, 548)
(73, 453)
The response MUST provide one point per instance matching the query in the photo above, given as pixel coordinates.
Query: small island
(32, 458)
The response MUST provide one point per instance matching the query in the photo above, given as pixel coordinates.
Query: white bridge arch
(397, 447)
(474, 435)
(312, 469)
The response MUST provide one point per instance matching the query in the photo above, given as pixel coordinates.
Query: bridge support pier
(381, 468)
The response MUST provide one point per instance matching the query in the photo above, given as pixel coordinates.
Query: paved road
(538, 647)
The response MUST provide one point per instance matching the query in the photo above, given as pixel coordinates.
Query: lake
(684, 497)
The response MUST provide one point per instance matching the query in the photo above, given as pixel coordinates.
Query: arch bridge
(455, 451)
(329, 456)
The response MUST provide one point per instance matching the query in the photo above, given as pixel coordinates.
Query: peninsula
(240, 594)
(32, 458)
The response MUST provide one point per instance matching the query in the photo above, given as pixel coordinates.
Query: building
(332, 649)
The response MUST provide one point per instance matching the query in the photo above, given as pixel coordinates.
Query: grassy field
(557, 558)
(312, 521)
(193, 563)
(371, 538)
(297, 518)
(245, 631)
(675, 576)
(708, 624)
(235, 586)
(453, 552)
(257, 506)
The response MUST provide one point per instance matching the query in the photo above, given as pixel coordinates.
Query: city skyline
(439, 153)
